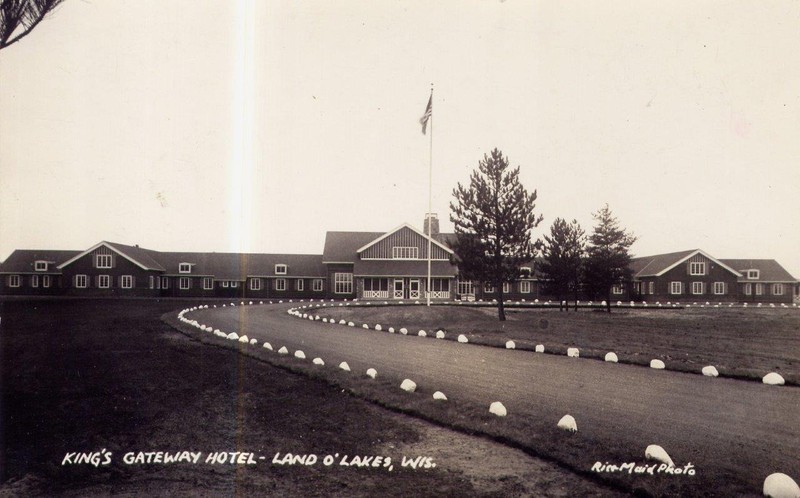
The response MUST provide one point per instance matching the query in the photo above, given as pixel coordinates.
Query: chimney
(433, 219)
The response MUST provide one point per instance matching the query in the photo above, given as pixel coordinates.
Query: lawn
(739, 342)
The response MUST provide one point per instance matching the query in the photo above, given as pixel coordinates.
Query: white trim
(701, 286)
(716, 288)
(165, 283)
(106, 244)
(122, 279)
(404, 225)
(672, 286)
(314, 285)
(695, 253)
(285, 269)
(697, 268)
(104, 279)
(13, 278)
(184, 280)
(181, 265)
(255, 284)
(85, 279)
(525, 287)
(34, 280)
(280, 284)
(758, 274)
(617, 289)
(104, 266)
(299, 284)
(759, 289)
(345, 280)
(506, 287)
(36, 265)
(776, 288)
(208, 283)
(46, 281)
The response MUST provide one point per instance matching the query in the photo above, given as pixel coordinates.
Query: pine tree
(493, 218)
(562, 255)
(608, 261)
(19, 17)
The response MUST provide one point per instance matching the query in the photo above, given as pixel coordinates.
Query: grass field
(746, 343)
(83, 376)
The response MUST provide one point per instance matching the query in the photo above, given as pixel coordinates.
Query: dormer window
(280, 269)
(40, 266)
(753, 274)
(405, 252)
(525, 271)
(185, 268)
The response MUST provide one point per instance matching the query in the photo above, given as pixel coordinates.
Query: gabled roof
(136, 255)
(237, 266)
(769, 270)
(340, 247)
(22, 260)
(404, 225)
(655, 266)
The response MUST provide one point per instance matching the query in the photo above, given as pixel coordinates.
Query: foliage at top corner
(19, 17)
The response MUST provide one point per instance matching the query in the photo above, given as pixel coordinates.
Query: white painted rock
(342, 322)
(498, 409)
(657, 364)
(318, 361)
(344, 366)
(408, 385)
(612, 357)
(233, 336)
(283, 350)
(780, 485)
(372, 373)
(462, 339)
(378, 327)
(773, 379)
(253, 342)
(567, 423)
(422, 333)
(391, 330)
(365, 326)
(221, 334)
(510, 345)
(657, 453)
(439, 395)
(539, 348)
(440, 334)
(710, 371)
(573, 352)
(244, 338)
(300, 354)
(404, 331)
(268, 346)
(351, 324)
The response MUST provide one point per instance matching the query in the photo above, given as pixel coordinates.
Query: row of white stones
(771, 378)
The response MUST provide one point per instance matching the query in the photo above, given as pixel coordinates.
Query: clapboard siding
(405, 237)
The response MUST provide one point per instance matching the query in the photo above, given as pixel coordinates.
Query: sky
(258, 126)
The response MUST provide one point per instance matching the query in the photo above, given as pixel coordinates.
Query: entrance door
(398, 288)
(413, 289)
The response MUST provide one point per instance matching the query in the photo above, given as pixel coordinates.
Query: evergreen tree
(19, 17)
(562, 255)
(608, 261)
(493, 218)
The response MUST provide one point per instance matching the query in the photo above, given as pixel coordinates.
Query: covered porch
(404, 288)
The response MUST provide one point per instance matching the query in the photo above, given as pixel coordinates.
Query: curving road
(717, 424)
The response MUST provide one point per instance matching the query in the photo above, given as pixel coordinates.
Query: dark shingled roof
(235, 266)
(769, 270)
(650, 266)
(22, 260)
(145, 257)
(340, 247)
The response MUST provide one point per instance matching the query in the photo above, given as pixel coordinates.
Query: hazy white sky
(257, 126)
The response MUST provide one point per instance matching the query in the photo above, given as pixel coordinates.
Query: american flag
(427, 116)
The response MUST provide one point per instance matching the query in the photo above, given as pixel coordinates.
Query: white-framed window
(208, 283)
(697, 268)
(34, 280)
(185, 268)
(185, 283)
(616, 289)
(317, 285)
(151, 282)
(255, 284)
(465, 287)
(14, 281)
(280, 284)
(697, 287)
(343, 283)
(759, 289)
(165, 282)
(225, 284)
(525, 287)
(719, 288)
(234, 284)
(400, 252)
(104, 281)
(777, 289)
(280, 269)
(748, 289)
(81, 281)
(676, 288)
(299, 285)
(488, 287)
(103, 261)
(45, 281)
(126, 281)
(40, 266)
(651, 287)
(526, 271)
(506, 288)
(440, 285)
(753, 274)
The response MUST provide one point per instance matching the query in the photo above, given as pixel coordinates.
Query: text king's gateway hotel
(367, 265)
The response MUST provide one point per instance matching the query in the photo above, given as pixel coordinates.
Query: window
(651, 287)
(45, 281)
(14, 281)
(697, 287)
(719, 288)
(466, 287)
(208, 283)
(676, 287)
(280, 269)
(81, 281)
(440, 285)
(753, 274)
(151, 282)
(317, 285)
(616, 289)
(748, 289)
(525, 271)
(40, 266)
(280, 284)
(759, 289)
(376, 284)
(185, 283)
(255, 284)
(343, 283)
(525, 287)
(126, 282)
(103, 261)
(405, 252)
(777, 289)
(165, 282)
(234, 284)
(185, 268)
(299, 285)
(488, 287)
(697, 268)
(225, 284)
(506, 288)
(104, 281)
(34, 280)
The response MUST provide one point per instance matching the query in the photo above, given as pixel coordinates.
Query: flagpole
(430, 201)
